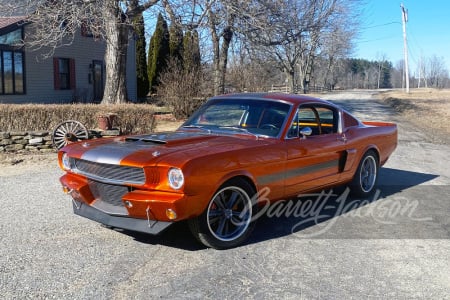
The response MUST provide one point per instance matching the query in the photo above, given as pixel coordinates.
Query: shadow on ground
(308, 215)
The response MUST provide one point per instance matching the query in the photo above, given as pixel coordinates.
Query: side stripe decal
(266, 179)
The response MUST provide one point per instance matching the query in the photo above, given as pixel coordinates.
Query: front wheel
(366, 175)
(227, 220)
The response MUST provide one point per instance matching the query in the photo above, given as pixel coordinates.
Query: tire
(366, 176)
(227, 220)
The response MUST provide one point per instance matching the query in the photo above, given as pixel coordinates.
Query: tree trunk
(227, 36)
(291, 80)
(115, 56)
(216, 54)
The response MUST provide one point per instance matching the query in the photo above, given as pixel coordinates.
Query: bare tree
(294, 32)
(249, 72)
(219, 18)
(181, 88)
(436, 72)
(336, 46)
(398, 75)
(55, 24)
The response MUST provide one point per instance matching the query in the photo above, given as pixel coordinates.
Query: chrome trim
(108, 173)
(340, 121)
(108, 197)
(319, 104)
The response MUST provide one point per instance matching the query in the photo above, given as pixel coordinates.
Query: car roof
(292, 98)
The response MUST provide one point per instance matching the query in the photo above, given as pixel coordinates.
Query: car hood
(152, 149)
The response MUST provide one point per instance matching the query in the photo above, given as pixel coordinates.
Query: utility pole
(405, 45)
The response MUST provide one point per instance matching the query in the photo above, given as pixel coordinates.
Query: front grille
(108, 197)
(115, 174)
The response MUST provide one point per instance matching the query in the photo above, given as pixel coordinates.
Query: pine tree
(150, 63)
(196, 58)
(158, 52)
(176, 43)
(191, 53)
(141, 62)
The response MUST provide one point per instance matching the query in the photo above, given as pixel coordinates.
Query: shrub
(181, 89)
(131, 118)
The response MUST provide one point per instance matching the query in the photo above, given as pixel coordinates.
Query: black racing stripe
(266, 179)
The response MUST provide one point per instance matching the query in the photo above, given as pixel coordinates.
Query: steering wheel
(268, 126)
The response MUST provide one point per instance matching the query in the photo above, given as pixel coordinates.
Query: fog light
(66, 190)
(171, 214)
(128, 204)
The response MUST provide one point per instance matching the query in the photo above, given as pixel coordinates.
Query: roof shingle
(6, 21)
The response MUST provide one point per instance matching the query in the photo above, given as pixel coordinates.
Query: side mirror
(305, 131)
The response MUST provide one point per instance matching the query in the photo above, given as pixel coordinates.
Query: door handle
(342, 138)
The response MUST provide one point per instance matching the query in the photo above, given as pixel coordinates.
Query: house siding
(39, 73)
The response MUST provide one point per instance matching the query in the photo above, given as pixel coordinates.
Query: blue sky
(428, 31)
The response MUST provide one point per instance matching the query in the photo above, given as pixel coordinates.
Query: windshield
(253, 116)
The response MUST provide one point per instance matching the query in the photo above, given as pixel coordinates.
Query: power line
(381, 25)
(380, 39)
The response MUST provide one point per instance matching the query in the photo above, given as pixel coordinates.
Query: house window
(64, 73)
(11, 72)
(12, 38)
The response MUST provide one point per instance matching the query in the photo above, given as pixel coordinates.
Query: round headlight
(176, 178)
(65, 160)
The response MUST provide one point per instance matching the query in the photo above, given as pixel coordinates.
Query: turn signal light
(171, 214)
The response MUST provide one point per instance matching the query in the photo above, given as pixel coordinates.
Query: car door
(313, 161)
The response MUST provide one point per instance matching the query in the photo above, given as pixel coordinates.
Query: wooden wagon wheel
(68, 132)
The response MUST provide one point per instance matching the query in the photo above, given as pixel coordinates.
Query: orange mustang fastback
(210, 170)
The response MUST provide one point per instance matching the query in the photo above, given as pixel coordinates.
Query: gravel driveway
(393, 246)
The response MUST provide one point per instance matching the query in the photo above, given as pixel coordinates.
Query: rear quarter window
(349, 121)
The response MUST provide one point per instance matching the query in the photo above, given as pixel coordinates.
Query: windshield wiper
(239, 129)
(196, 127)
(234, 128)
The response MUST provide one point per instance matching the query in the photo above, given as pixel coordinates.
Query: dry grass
(132, 118)
(426, 108)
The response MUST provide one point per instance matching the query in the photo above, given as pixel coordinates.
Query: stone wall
(26, 140)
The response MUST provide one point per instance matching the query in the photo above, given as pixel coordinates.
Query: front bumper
(140, 225)
(137, 210)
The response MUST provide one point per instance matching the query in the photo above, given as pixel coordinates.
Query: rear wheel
(366, 175)
(227, 220)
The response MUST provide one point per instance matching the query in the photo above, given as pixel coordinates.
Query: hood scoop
(168, 137)
(145, 140)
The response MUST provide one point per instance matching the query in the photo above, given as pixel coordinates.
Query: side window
(321, 120)
(305, 117)
(328, 120)
(308, 117)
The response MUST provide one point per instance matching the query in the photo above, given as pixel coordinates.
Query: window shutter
(73, 84)
(83, 29)
(56, 79)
